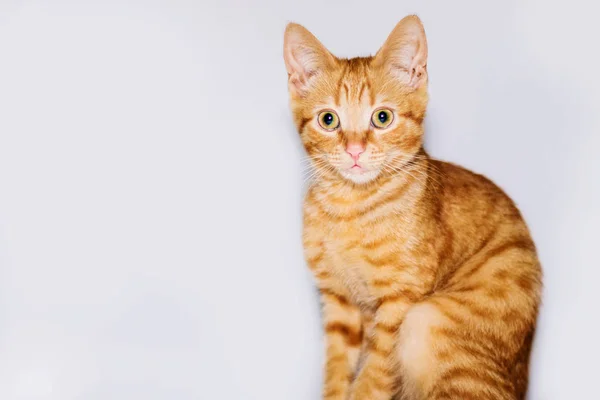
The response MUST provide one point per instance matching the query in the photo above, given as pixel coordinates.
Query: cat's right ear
(305, 57)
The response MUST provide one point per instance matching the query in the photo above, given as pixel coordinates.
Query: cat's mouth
(357, 169)
(359, 174)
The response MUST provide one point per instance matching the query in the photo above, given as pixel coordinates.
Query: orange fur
(429, 278)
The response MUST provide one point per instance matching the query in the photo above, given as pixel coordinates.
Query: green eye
(382, 118)
(329, 120)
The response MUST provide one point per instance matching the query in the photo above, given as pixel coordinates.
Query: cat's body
(430, 281)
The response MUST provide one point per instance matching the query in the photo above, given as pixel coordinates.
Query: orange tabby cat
(429, 278)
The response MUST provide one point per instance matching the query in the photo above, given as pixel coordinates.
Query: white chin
(360, 177)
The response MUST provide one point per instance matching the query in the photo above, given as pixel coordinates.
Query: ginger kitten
(429, 278)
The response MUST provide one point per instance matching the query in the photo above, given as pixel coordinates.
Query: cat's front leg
(343, 338)
(379, 376)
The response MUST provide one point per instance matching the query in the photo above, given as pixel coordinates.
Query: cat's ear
(404, 53)
(305, 57)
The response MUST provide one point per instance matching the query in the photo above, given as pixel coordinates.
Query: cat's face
(359, 118)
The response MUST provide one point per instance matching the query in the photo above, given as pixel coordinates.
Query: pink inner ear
(418, 65)
(405, 50)
(291, 63)
(417, 74)
(298, 76)
(297, 82)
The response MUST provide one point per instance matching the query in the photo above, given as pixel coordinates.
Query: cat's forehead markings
(370, 93)
(340, 82)
(361, 91)
(346, 91)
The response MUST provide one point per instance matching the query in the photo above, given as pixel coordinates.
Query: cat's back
(471, 197)
(477, 217)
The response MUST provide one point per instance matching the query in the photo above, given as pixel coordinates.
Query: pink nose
(355, 150)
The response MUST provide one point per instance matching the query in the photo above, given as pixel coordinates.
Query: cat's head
(359, 118)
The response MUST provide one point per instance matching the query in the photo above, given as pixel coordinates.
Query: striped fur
(429, 279)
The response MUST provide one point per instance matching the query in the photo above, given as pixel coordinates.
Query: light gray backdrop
(150, 185)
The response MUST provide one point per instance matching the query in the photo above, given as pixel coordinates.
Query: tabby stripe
(353, 337)
(468, 288)
(337, 359)
(340, 82)
(389, 259)
(379, 383)
(395, 195)
(521, 244)
(334, 392)
(472, 308)
(452, 316)
(401, 295)
(418, 119)
(303, 123)
(486, 377)
(383, 283)
(352, 244)
(371, 92)
(488, 345)
(342, 300)
(391, 329)
(381, 347)
(360, 92)
(453, 393)
(528, 282)
(372, 245)
(342, 200)
(315, 259)
(322, 274)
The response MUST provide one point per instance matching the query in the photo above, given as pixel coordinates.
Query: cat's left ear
(305, 57)
(404, 53)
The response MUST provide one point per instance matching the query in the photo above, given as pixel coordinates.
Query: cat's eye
(382, 118)
(329, 120)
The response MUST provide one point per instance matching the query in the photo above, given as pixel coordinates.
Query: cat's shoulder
(463, 185)
(454, 175)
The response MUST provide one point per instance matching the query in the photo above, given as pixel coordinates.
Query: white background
(150, 185)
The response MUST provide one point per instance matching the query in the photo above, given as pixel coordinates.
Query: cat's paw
(362, 389)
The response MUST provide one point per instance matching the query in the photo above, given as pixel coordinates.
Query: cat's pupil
(382, 116)
(328, 119)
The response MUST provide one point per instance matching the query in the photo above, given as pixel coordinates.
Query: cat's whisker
(424, 175)
(313, 166)
(429, 173)
(319, 172)
(400, 170)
